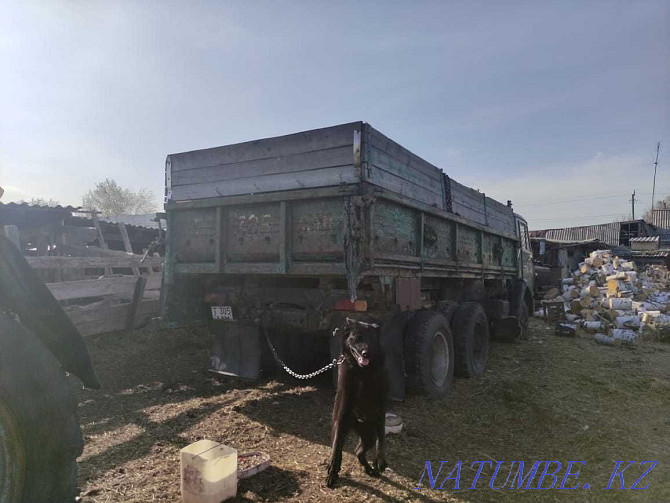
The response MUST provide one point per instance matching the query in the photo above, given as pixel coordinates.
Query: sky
(557, 106)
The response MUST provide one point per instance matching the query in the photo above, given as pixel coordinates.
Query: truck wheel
(40, 438)
(471, 339)
(429, 354)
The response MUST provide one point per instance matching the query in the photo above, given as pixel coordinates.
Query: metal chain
(334, 363)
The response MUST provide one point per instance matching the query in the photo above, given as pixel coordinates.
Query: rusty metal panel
(468, 247)
(195, 235)
(395, 228)
(408, 293)
(253, 233)
(492, 249)
(317, 229)
(438, 238)
(509, 255)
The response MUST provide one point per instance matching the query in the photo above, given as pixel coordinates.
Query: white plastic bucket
(208, 472)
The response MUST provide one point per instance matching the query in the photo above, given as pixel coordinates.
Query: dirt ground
(547, 398)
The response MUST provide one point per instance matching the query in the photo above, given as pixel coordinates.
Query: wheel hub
(439, 359)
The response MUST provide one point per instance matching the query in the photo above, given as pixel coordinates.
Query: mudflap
(237, 349)
(507, 329)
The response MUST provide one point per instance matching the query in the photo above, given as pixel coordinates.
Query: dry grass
(548, 398)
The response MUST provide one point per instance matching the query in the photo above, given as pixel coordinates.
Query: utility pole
(632, 201)
(653, 190)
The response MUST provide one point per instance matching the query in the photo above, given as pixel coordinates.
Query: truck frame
(288, 235)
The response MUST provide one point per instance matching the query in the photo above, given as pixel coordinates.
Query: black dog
(360, 402)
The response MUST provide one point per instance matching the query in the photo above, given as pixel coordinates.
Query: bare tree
(663, 204)
(40, 201)
(110, 198)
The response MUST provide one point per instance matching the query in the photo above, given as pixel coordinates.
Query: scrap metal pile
(610, 298)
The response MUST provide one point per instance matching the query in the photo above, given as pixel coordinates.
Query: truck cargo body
(287, 231)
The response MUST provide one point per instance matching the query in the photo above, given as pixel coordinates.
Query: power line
(558, 201)
(585, 198)
(576, 217)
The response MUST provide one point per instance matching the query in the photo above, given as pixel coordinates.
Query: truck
(274, 242)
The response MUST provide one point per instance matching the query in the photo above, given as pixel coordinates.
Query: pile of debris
(609, 297)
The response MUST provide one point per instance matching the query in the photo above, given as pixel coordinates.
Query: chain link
(336, 362)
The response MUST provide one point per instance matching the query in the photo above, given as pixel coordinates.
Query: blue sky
(555, 105)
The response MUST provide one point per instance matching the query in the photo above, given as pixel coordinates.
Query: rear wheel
(40, 438)
(429, 354)
(471, 339)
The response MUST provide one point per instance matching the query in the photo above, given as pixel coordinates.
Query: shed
(646, 243)
(566, 254)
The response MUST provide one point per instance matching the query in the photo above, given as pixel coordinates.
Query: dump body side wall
(309, 236)
(316, 158)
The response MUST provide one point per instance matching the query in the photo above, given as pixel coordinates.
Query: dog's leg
(366, 434)
(341, 425)
(380, 460)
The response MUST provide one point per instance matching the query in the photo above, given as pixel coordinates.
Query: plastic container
(208, 472)
(393, 423)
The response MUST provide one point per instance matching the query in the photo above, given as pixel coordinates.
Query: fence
(115, 290)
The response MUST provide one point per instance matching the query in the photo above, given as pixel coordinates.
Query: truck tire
(471, 339)
(429, 354)
(40, 438)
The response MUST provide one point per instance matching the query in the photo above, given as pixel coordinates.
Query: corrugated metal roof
(607, 233)
(147, 220)
(568, 242)
(38, 207)
(650, 253)
(612, 234)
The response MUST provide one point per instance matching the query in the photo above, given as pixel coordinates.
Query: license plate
(222, 312)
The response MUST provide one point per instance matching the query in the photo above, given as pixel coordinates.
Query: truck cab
(526, 271)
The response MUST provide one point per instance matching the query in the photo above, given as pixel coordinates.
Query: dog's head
(360, 342)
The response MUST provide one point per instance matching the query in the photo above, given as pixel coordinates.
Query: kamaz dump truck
(286, 236)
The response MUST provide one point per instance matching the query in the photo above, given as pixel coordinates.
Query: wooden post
(128, 246)
(138, 293)
(12, 232)
(59, 238)
(101, 238)
(283, 232)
